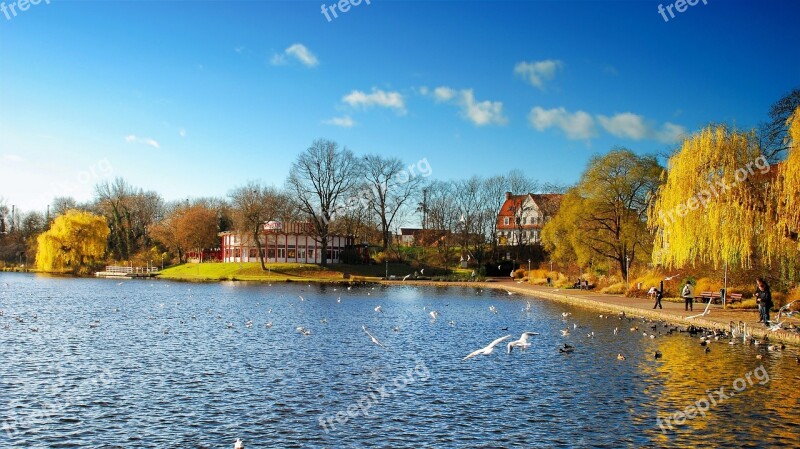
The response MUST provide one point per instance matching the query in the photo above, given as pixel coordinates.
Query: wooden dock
(115, 271)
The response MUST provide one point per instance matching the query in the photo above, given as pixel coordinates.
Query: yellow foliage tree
(74, 242)
(787, 193)
(604, 216)
(712, 204)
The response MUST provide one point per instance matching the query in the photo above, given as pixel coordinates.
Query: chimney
(508, 195)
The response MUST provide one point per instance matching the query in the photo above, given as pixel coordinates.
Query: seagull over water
(488, 349)
(378, 309)
(522, 343)
(372, 337)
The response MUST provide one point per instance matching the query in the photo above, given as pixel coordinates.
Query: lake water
(154, 364)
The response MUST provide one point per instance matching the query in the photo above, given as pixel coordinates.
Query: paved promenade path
(672, 312)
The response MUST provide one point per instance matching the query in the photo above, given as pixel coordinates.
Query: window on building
(505, 221)
(253, 254)
(271, 253)
(281, 253)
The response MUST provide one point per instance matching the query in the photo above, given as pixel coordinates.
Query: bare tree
(129, 212)
(443, 217)
(252, 206)
(493, 197)
(773, 134)
(390, 187)
(320, 180)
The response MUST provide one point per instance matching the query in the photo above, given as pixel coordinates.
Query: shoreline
(718, 318)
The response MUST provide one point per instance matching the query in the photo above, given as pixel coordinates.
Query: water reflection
(175, 364)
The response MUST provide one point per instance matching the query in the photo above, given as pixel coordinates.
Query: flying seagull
(487, 350)
(522, 343)
(372, 337)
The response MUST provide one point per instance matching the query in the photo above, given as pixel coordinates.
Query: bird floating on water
(434, 314)
(238, 444)
(303, 330)
(493, 309)
(565, 332)
(620, 357)
(567, 349)
(488, 349)
(378, 309)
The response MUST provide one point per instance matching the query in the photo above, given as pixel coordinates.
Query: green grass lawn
(251, 271)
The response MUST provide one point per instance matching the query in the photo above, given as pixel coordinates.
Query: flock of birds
(736, 332)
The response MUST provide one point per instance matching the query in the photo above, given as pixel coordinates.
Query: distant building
(420, 237)
(522, 217)
(282, 242)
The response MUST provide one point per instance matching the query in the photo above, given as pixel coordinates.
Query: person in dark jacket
(764, 300)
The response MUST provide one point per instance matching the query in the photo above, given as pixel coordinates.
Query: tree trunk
(258, 247)
(323, 257)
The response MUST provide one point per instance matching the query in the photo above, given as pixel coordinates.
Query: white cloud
(626, 125)
(480, 113)
(278, 59)
(392, 100)
(537, 72)
(633, 126)
(579, 125)
(144, 141)
(297, 51)
(443, 93)
(13, 158)
(344, 121)
(670, 133)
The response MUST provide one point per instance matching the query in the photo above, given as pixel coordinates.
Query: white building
(282, 242)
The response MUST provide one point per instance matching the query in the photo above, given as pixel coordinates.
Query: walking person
(688, 296)
(764, 300)
(658, 294)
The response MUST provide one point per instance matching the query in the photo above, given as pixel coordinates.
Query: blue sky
(193, 98)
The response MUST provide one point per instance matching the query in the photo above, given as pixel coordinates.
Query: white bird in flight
(488, 349)
(522, 343)
(372, 337)
(434, 314)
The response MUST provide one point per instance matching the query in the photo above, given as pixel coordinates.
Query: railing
(130, 270)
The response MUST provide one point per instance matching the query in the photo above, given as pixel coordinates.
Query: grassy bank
(280, 272)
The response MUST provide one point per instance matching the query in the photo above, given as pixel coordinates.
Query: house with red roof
(522, 217)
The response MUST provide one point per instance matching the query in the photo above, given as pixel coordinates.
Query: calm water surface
(153, 364)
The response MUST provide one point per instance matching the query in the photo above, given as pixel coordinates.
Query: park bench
(715, 297)
(734, 297)
(709, 296)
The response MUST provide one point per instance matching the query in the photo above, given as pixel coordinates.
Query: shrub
(614, 289)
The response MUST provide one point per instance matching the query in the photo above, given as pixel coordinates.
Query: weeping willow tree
(74, 242)
(786, 190)
(712, 205)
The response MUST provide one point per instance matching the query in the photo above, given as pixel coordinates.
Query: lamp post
(627, 272)
(529, 267)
